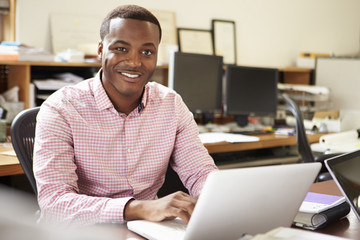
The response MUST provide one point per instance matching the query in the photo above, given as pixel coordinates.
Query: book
(11, 51)
(317, 210)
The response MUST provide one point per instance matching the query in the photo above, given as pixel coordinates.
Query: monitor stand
(204, 117)
(247, 127)
(241, 120)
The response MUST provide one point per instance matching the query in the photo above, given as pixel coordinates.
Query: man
(103, 146)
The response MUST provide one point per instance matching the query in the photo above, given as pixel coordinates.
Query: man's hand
(178, 204)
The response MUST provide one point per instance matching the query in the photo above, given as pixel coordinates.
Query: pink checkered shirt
(90, 160)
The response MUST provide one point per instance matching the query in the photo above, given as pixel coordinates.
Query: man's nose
(133, 60)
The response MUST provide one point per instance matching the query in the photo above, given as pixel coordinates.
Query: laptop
(239, 201)
(345, 170)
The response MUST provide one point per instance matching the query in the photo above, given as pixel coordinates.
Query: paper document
(9, 153)
(51, 84)
(214, 137)
(283, 233)
(304, 88)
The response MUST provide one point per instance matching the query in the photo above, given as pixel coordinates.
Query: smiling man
(103, 146)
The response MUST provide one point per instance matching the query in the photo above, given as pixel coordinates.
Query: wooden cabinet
(295, 75)
(21, 74)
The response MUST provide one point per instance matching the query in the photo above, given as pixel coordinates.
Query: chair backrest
(302, 141)
(22, 137)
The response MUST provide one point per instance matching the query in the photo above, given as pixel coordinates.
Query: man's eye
(147, 52)
(121, 49)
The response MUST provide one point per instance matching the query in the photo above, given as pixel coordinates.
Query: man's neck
(126, 105)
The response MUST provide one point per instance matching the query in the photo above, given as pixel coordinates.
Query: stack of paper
(283, 233)
(214, 137)
(13, 51)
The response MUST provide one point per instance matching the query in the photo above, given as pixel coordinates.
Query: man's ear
(100, 49)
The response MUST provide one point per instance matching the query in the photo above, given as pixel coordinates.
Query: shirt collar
(144, 97)
(104, 102)
(101, 98)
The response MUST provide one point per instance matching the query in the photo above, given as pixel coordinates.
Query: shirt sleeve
(55, 173)
(190, 158)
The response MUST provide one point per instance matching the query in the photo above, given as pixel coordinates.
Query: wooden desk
(348, 227)
(266, 141)
(9, 165)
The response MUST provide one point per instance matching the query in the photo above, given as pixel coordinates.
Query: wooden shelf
(295, 75)
(20, 73)
(57, 64)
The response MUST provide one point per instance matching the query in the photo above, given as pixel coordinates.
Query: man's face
(129, 55)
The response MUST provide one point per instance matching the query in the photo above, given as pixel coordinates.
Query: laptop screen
(345, 170)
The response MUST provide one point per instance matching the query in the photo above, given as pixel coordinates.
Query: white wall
(269, 32)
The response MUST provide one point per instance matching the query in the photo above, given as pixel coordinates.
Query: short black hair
(128, 11)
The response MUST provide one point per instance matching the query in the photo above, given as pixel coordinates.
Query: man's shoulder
(158, 90)
(71, 92)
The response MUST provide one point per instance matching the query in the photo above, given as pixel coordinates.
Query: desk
(266, 141)
(348, 227)
(269, 150)
(9, 165)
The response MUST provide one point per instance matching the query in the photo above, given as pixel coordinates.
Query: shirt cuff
(114, 210)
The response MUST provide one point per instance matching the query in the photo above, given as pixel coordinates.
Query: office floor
(19, 184)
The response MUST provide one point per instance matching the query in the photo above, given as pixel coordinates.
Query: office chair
(22, 137)
(302, 141)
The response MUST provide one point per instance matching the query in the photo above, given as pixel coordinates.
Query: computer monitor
(250, 91)
(198, 80)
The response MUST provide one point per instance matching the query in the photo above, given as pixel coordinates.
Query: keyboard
(165, 230)
(252, 132)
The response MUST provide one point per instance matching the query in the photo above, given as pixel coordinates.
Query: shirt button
(128, 150)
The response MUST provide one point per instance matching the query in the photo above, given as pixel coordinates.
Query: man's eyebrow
(121, 42)
(149, 45)
(128, 44)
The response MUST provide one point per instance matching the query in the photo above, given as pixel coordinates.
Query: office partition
(342, 76)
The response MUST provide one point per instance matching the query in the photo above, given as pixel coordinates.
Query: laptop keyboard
(170, 229)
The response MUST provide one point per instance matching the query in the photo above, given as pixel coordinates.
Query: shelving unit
(16, 73)
(296, 75)
(21, 74)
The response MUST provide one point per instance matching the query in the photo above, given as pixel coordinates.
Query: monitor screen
(198, 79)
(251, 91)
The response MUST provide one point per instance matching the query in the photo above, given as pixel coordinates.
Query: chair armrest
(323, 177)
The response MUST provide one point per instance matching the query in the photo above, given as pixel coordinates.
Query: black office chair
(303, 143)
(22, 137)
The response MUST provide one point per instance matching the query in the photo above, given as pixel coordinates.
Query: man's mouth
(130, 75)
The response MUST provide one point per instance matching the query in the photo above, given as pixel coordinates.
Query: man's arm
(57, 180)
(190, 159)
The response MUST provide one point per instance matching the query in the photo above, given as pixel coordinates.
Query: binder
(318, 210)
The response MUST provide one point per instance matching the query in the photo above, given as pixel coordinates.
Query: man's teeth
(130, 75)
